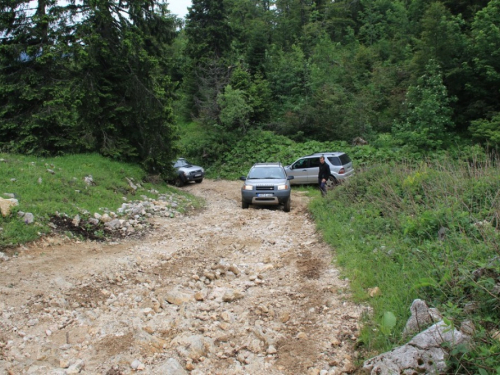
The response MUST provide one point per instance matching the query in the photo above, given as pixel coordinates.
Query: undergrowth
(234, 159)
(265, 146)
(428, 230)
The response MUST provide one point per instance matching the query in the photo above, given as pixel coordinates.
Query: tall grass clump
(46, 186)
(428, 230)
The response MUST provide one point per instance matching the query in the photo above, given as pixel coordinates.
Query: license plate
(197, 175)
(264, 195)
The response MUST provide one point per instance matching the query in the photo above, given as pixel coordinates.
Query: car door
(313, 170)
(299, 171)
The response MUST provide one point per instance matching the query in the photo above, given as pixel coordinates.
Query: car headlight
(247, 187)
(282, 187)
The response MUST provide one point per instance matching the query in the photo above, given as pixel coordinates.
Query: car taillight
(342, 171)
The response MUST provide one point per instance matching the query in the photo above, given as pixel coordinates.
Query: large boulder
(422, 354)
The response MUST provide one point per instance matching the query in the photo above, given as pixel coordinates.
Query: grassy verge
(429, 231)
(46, 186)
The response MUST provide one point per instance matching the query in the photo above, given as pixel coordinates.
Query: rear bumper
(344, 176)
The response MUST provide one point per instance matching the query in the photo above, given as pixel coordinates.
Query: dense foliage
(88, 76)
(424, 71)
(240, 81)
(106, 75)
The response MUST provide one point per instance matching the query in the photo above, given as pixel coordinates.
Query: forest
(123, 78)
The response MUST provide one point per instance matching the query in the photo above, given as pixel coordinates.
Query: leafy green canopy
(105, 75)
(339, 70)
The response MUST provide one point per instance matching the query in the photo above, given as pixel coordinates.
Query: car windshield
(182, 163)
(266, 173)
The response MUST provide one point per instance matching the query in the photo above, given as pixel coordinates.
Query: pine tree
(36, 114)
(208, 31)
(209, 37)
(125, 105)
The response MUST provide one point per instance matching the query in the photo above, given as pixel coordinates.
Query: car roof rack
(326, 152)
(268, 163)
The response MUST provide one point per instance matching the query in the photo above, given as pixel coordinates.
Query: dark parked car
(187, 172)
(266, 184)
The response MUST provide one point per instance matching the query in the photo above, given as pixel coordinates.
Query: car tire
(178, 182)
(199, 181)
(287, 205)
(244, 205)
(331, 183)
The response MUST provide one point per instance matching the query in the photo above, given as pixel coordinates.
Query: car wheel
(331, 183)
(244, 204)
(179, 182)
(199, 181)
(287, 205)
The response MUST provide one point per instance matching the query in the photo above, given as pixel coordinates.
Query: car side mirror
(242, 178)
(290, 177)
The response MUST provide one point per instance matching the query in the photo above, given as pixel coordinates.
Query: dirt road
(220, 291)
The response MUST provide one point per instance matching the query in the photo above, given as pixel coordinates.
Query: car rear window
(345, 159)
(339, 160)
(334, 160)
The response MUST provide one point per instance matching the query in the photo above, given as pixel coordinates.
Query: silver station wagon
(305, 170)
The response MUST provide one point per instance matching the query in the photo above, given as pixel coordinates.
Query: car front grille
(195, 172)
(264, 187)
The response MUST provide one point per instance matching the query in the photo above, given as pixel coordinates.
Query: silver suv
(187, 172)
(266, 184)
(305, 170)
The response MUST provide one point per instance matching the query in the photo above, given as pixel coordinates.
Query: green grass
(44, 193)
(384, 225)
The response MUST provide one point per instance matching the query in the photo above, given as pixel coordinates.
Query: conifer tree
(125, 109)
(208, 30)
(36, 113)
(209, 38)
